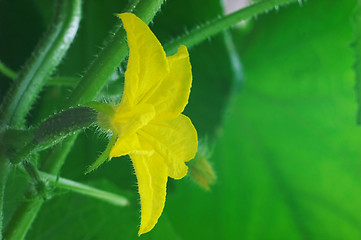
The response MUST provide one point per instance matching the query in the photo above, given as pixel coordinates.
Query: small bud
(201, 170)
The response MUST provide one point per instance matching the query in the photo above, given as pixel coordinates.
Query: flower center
(128, 120)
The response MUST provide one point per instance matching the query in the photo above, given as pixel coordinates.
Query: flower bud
(201, 170)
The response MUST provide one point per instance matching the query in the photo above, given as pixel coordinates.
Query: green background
(274, 99)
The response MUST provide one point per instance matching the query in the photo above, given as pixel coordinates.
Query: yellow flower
(148, 121)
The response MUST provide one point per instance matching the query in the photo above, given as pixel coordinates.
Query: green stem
(7, 71)
(40, 66)
(109, 58)
(217, 25)
(4, 170)
(85, 189)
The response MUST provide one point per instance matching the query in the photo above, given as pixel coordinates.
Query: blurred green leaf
(288, 162)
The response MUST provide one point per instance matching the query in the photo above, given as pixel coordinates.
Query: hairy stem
(217, 25)
(40, 66)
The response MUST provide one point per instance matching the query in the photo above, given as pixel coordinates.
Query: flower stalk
(85, 190)
(54, 129)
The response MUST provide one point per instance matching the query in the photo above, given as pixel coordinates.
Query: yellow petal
(147, 64)
(152, 182)
(174, 140)
(128, 145)
(172, 95)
